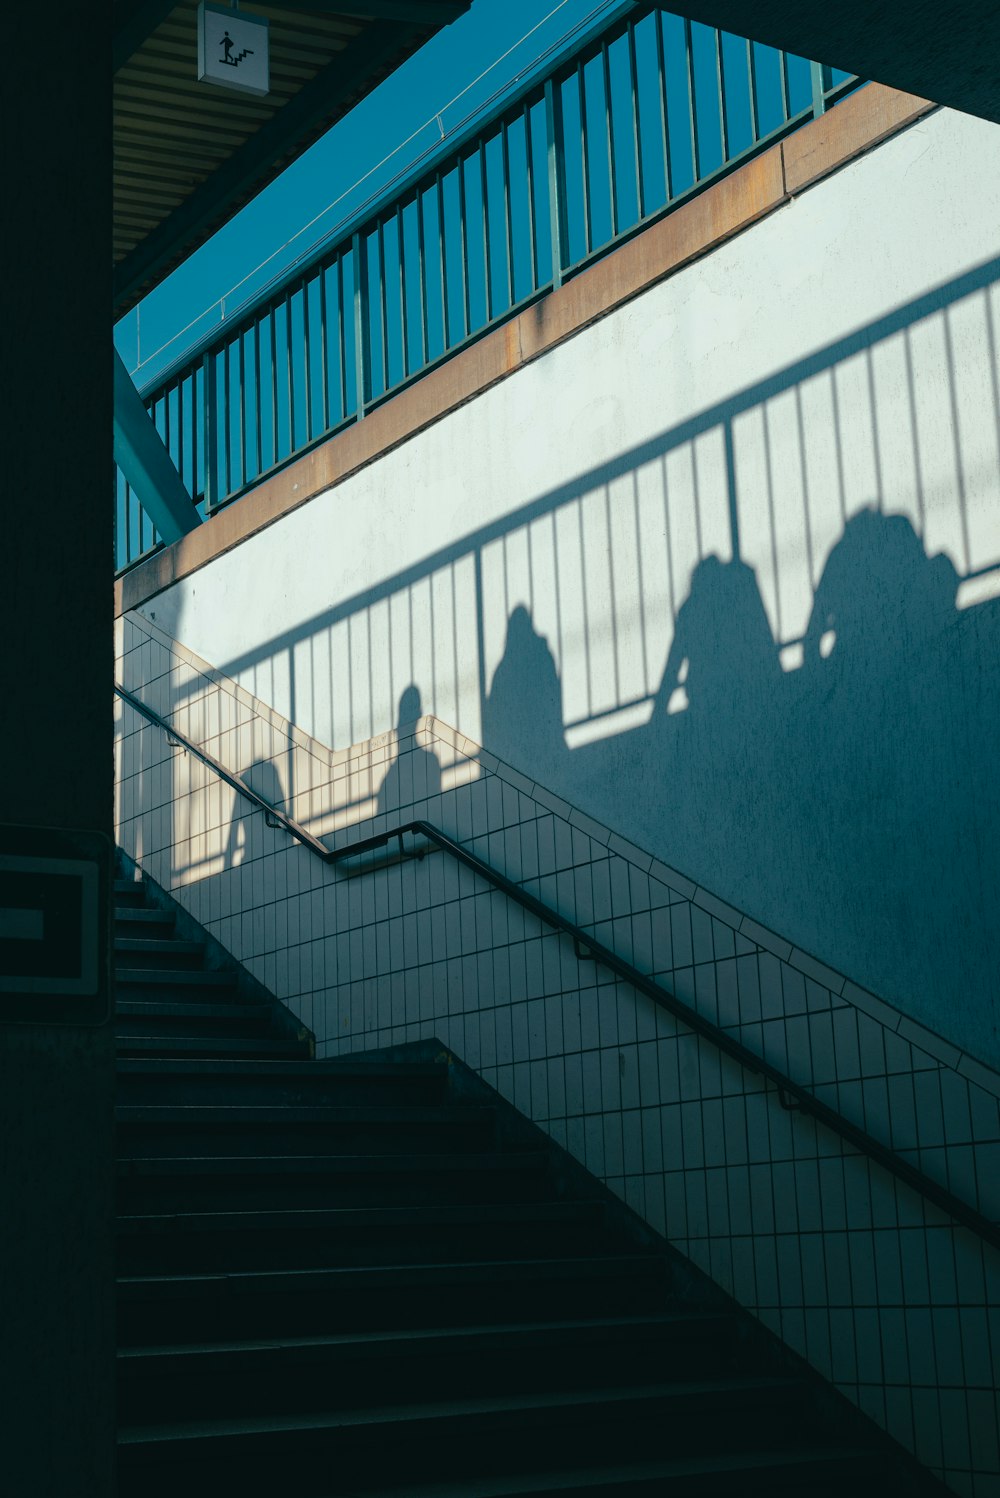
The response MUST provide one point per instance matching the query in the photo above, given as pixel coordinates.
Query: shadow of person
(247, 821)
(714, 728)
(879, 593)
(414, 774)
(883, 647)
(723, 657)
(522, 716)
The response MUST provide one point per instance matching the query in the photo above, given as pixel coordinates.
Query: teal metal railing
(622, 126)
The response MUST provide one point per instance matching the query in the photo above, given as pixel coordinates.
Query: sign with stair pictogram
(233, 49)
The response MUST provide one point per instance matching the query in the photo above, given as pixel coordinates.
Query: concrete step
(181, 1129)
(286, 1302)
(279, 1082)
(210, 1014)
(165, 1044)
(170, 983)
(467, 1437)
(129, 891)
(132, 919)
(828, 1472)
(161, 953)
(305, 1374)
(213, 1241)
(280, 1181)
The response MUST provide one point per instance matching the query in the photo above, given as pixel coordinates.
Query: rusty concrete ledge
(861, 122)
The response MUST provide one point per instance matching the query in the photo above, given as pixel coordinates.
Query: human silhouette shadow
(899, 788)
(416, 774)
(523, 715)
(722, 653)
(247, 821)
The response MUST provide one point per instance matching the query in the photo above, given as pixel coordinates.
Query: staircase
(341, 1278)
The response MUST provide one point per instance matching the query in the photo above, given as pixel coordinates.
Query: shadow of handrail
(791, 1095)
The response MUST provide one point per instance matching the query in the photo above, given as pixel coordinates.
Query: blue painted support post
(146, 464)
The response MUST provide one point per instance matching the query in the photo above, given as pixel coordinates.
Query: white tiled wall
(880, 1291)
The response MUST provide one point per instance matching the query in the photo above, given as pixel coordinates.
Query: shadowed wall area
(759, 639)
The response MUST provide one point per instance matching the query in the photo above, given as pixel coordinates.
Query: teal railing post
(818, 94)
(211, 431)
(557, 178)
(362, 361)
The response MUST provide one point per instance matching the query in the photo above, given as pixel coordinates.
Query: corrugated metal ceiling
(188, 155)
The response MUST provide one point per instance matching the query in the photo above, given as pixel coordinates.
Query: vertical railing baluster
(341, 339)
(258, 400)
(194, 433)
(306, 349)
(752, 91)
(610, 128)
(383, 303)
(180, 427)
(529, 161)
(422, 278)
(464, 232)
(227, 408)
(361, 318)
(242, 408)
(404, 325)
(633, 72)
(692, 111)
(273, 320)
(661, 78)
(290, 366)
(445, 322)
(588, 216)
(721, 82)
(487, 261)
(786, 108)
(211, 445)
(324, 382)
(508, 223)
(818, 92)
(557, 177)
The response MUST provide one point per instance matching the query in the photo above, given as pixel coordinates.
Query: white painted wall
(883, 1295)
(823, 759)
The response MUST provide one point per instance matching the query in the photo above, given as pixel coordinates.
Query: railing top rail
(791, 1095)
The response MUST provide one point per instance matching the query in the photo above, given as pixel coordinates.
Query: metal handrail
(791, 1095)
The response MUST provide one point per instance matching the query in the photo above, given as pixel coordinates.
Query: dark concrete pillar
(56, 1079)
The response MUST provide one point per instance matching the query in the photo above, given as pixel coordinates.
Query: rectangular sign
(54, 917)
(233, 49)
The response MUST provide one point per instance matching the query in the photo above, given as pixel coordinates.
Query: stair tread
(163, 1008)
(524, 1331)
(345, 1277)
(424, 1413)
(344, 1217)
(144, 915)
(625, 1474)
(199, 1114)
(172, 1042)
(159, 944)
(168, 1165)
(169, 977)
(311, 1068)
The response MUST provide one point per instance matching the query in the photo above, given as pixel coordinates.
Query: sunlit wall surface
(722, 570)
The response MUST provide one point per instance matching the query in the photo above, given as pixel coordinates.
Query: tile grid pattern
(881, 1293)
